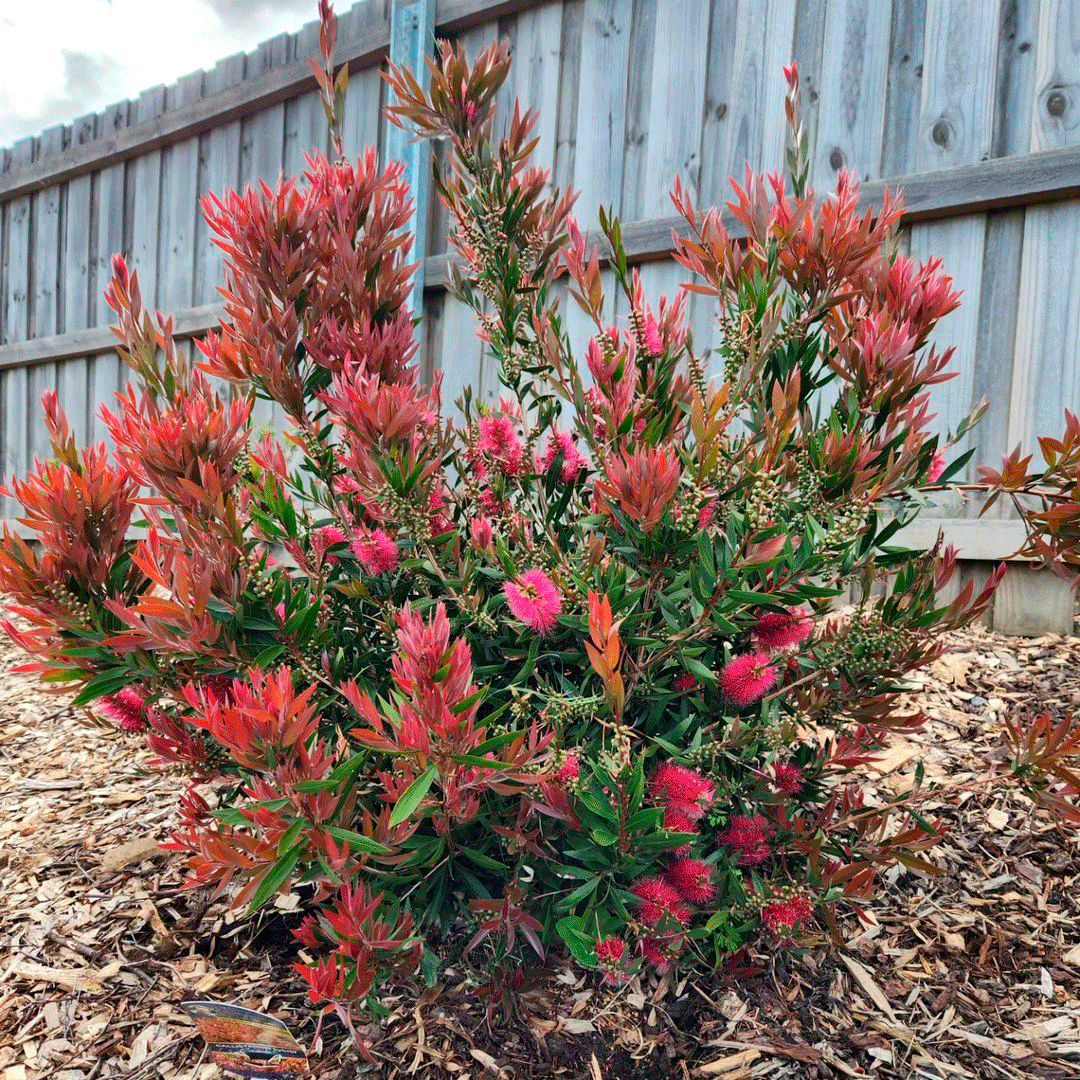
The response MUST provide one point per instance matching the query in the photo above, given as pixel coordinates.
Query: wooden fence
(971, 106)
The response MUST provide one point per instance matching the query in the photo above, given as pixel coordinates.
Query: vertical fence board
(1056, 105)
(679, 60)
(13, 383)
(110, 236)
(601, 120)
(73, 376)
(176, 227)
(756, 131)
(956, 128)
(851, 102)
(263, 138)
(903, 93)
(219, 172)
(638, 98)
(364, 96)
(534, 75)
(44, 292)
(144, 198)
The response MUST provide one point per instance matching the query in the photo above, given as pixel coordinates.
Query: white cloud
(66, 58)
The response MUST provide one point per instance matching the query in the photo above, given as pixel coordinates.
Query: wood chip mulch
(972, 973)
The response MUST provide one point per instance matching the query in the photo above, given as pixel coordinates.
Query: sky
(66, 58)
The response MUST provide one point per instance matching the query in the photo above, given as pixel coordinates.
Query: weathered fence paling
(960, 101)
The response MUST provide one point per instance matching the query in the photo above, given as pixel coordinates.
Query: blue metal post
(412, 34)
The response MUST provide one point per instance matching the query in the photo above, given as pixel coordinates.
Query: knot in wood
(941, 133)
(1056, 103)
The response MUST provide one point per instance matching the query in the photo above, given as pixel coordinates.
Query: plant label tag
(246, 1043)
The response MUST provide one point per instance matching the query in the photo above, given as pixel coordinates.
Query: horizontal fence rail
(990, 185)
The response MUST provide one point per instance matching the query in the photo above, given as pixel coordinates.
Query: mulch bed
(973, 973)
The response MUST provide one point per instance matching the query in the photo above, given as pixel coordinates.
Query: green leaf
(274, 878)
(357, 840)
(108, 682)
(291, 836)
(268, 656)
(580, 943)
(413, 795)
(429, 967)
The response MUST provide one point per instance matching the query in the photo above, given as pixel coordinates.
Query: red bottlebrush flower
(686, 683)
(126, 709)
(686, 790)
(568, 772)
(676, 819)
(657, 954)
(748, 838)
(534, 600)
(693, 880)
(937, 467)
(748, 678)
(658, 900)
(781, 629)
(654, 343)
(788, 779)
(378, 554)
(782, 916)
(561, 446)
(481, 534)
(611, 959)
(498, 439)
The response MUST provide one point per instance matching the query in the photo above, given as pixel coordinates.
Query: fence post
(412, 33)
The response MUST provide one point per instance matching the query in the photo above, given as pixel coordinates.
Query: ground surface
(975, 973)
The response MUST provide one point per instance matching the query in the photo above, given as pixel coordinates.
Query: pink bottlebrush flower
(937, 467)
(707, 513)
(568, 772)
(788, 779)
(654, 343)
(693, 880)
(748, 678)
(126, 709)
(325, 538)
(534, 600)
(489, 501)
(748, 838)
(378, 554)
(498, 439)
(481, 534)
(782, 629)
(561, 445)
(686, 683)
(782, 916)
(687, 790)
(657, 900)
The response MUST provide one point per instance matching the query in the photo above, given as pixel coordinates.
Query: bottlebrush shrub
(558, 669)
(1047, 499)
